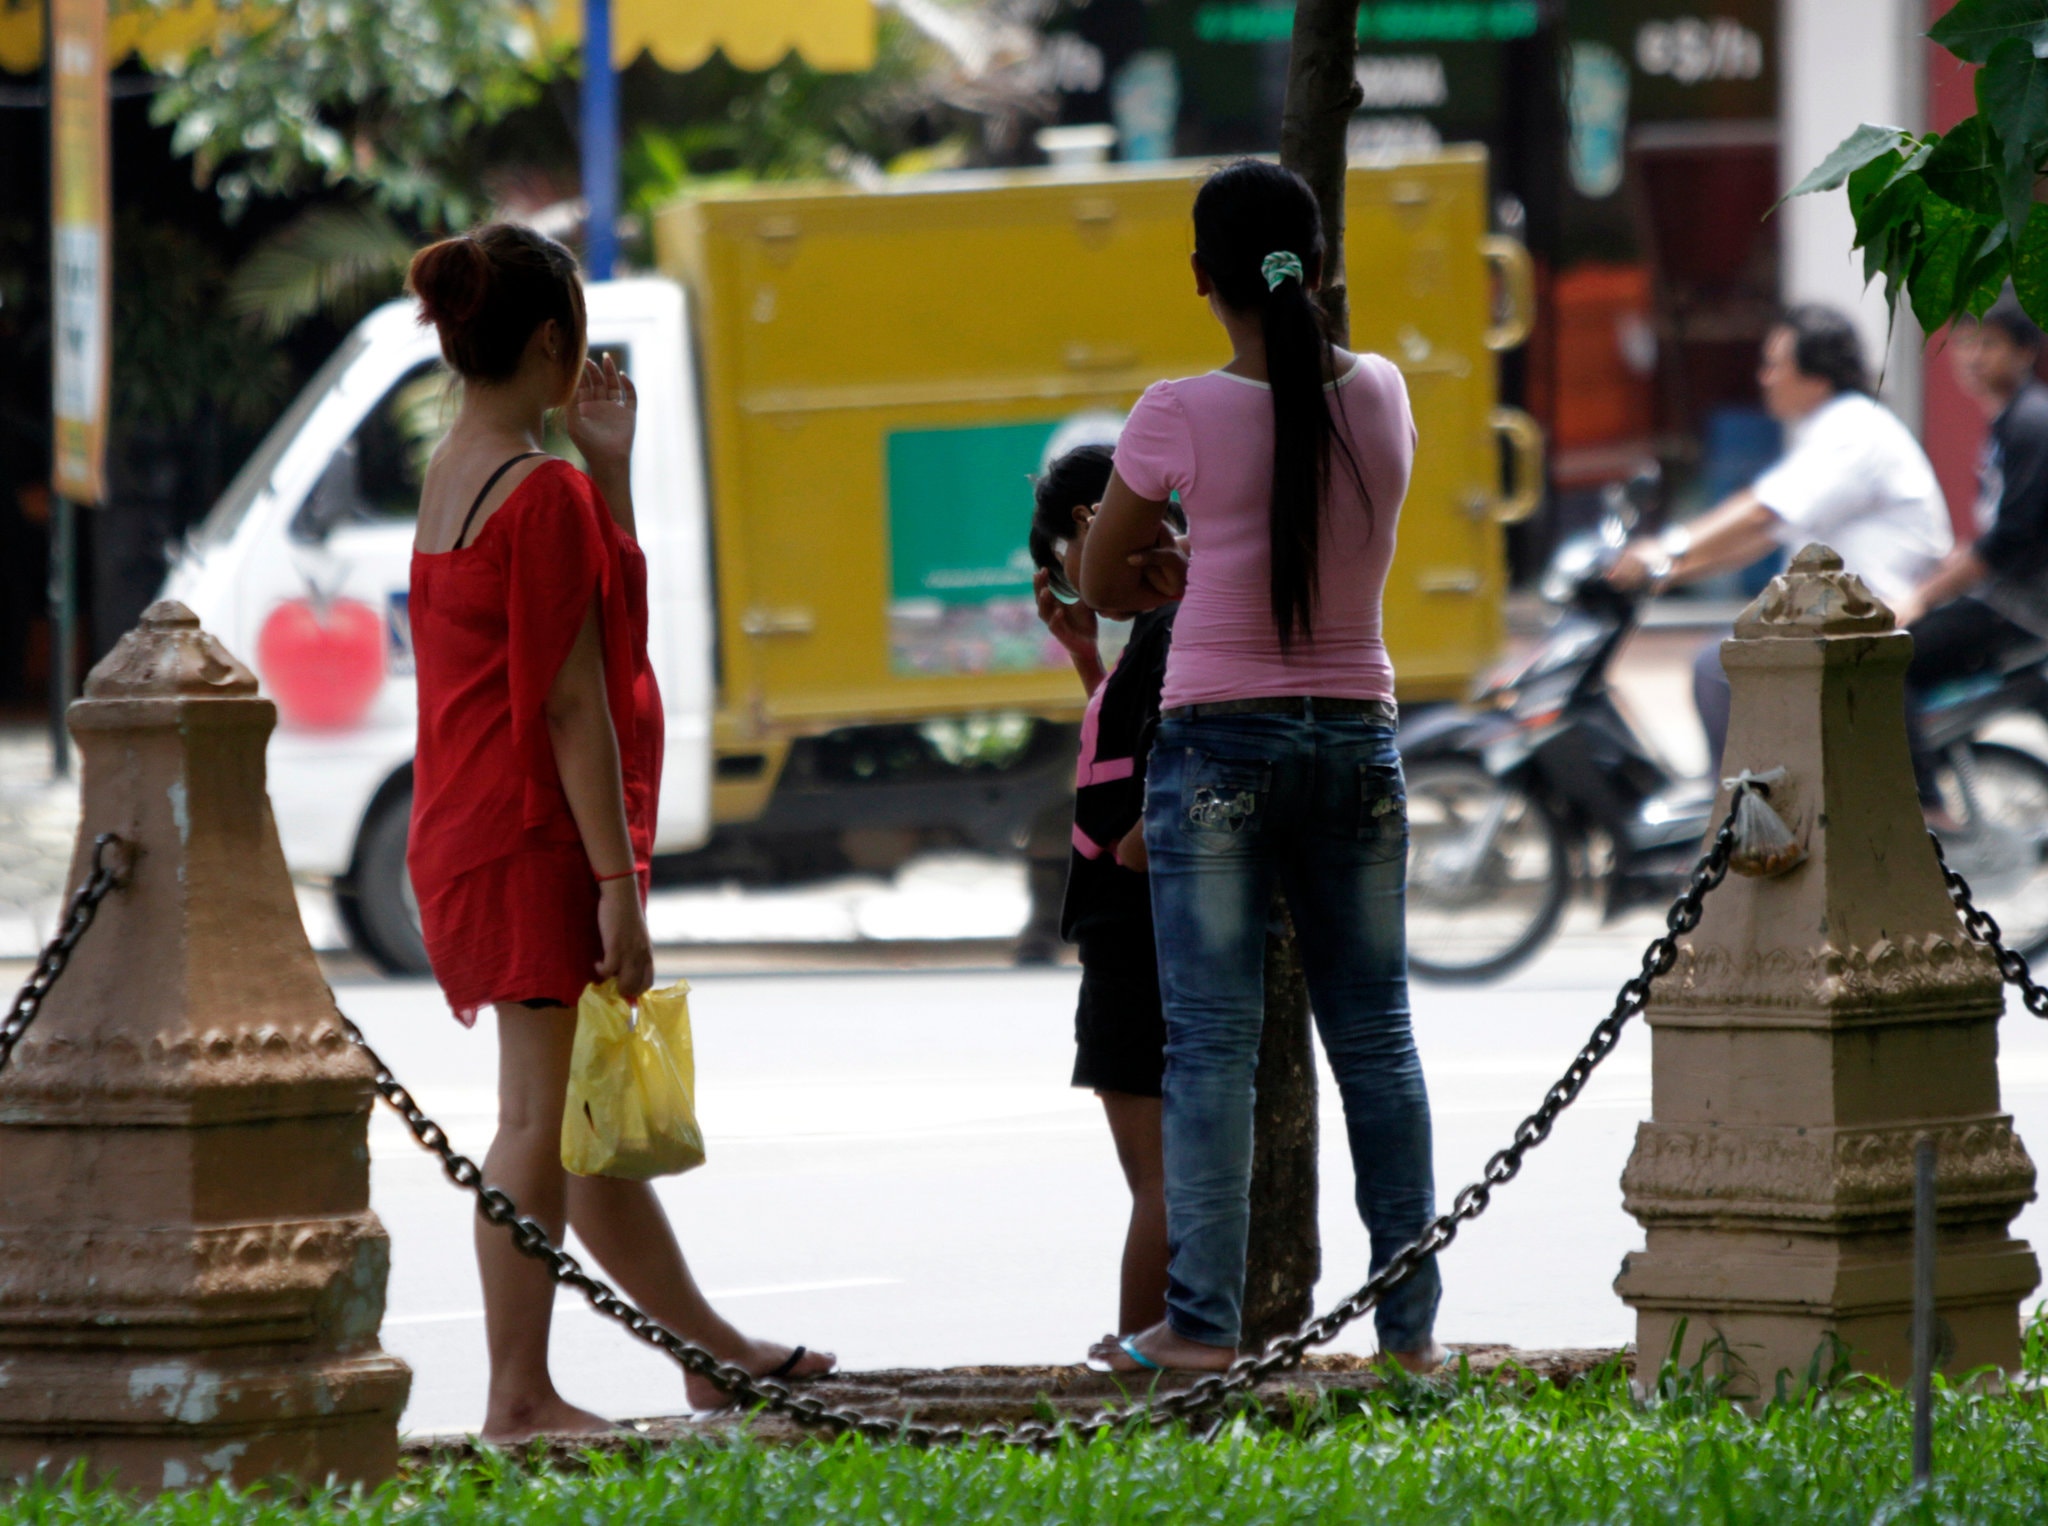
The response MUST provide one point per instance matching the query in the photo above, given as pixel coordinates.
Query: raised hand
(1073, 626)
(601, 417)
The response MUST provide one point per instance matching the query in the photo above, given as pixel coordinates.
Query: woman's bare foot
(1423, 1359)
(759, 1358)
(1160, 1346)
(514, 1421)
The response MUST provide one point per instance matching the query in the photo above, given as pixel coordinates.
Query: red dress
(508, 900)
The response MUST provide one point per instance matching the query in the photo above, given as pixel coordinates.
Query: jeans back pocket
(1223, 799)
(1383, 808)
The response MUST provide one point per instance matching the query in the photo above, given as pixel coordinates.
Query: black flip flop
(788, 1364)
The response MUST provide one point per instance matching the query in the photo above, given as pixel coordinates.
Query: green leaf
(2012, 98)
(1988, 273)
(1950, 240)
(1896, 201)
(2030, 266)
(1965, 168)
(336, 260)
(1866, 143)
(1872, 178)
(1974, 28)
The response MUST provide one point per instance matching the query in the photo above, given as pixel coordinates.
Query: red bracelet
(622, 874)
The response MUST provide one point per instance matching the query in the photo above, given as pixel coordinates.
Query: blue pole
(600, 143)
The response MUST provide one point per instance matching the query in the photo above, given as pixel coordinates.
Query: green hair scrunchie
(1278, 266)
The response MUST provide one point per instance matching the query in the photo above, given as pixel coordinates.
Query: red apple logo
(322, 661)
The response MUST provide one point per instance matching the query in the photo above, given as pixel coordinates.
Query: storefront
(1639, 147)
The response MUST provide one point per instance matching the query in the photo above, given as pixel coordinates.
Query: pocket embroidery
(1218, 810)
(1382, 798)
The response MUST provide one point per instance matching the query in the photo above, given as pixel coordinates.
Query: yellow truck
(844, 395)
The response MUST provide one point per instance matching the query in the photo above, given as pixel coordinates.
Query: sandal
(782, 1370)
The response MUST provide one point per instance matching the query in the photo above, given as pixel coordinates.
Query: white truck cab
(302, 570)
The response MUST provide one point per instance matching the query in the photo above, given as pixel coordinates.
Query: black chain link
(1200, 1396)
(109, 869)
(778, 1397)
(1983, 927)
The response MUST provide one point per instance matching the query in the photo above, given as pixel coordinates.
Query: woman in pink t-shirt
(1275, 764)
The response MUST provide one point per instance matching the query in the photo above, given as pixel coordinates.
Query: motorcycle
(1541, 783)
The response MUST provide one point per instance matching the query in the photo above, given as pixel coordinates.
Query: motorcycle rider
(1852, 476)
(1990, 598)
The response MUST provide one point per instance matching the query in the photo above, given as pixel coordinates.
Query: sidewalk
(38, 820)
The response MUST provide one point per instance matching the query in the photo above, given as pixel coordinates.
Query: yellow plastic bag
(632, 1107)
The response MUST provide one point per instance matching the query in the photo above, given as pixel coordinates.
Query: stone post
(191, 1280)
(1816, 1026)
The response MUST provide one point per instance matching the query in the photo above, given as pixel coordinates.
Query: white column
(1843, 62)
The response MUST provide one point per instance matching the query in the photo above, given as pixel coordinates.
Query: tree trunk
(1285, 1254)
(1322, 93)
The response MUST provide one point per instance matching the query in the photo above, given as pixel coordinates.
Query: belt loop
(1308, 708)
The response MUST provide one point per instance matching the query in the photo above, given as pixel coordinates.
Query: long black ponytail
(1259, 235)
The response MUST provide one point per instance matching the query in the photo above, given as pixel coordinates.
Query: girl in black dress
(1119, 1029)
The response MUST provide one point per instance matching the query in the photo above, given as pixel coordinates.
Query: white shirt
(1855, 479)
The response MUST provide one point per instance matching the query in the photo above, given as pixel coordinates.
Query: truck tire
(378, 908)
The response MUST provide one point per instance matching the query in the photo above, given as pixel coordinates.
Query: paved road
(899, 1172)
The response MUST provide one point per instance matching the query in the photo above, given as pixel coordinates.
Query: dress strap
(485, 492)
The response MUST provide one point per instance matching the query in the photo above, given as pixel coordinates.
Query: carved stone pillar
(191, 1280)
(1815, 1027)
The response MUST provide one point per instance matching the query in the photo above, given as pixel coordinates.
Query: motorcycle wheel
(2011, 790)
(1489, 873)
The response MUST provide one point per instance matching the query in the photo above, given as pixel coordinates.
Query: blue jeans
(1234, 804)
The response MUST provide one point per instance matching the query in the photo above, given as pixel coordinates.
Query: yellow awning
(837, 36)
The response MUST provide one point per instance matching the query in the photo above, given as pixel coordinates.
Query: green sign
(1393, 21)
(960, 596)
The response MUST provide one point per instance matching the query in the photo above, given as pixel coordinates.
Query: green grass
(1467, 1451)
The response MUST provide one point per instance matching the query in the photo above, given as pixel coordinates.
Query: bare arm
(1114, 565)
(586, 750)
(1731, 535)
(1960, 571)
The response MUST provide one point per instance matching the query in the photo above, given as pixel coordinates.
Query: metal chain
(109, 869)
(1205, 1393)
(1983, 927)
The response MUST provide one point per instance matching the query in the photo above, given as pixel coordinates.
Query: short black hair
(1825, 345)
(1081, 476)
(2009, 318)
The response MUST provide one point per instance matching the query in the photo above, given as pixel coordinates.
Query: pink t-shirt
(1210, 438)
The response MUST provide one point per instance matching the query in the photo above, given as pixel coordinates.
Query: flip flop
(1128, 1346)
(788, 1364)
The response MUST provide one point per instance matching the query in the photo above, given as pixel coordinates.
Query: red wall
(1952, 426)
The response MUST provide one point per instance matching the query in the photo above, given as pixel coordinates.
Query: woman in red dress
(534, 785)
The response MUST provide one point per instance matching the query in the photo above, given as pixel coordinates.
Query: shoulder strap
(485, 492)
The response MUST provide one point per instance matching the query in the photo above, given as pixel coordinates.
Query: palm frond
(330, 260)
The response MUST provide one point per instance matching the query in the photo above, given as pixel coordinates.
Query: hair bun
(451, 279)
(486, 292)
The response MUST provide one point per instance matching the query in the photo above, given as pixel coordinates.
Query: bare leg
(1134, 1125)
(525, 1161)
(623, 1225)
